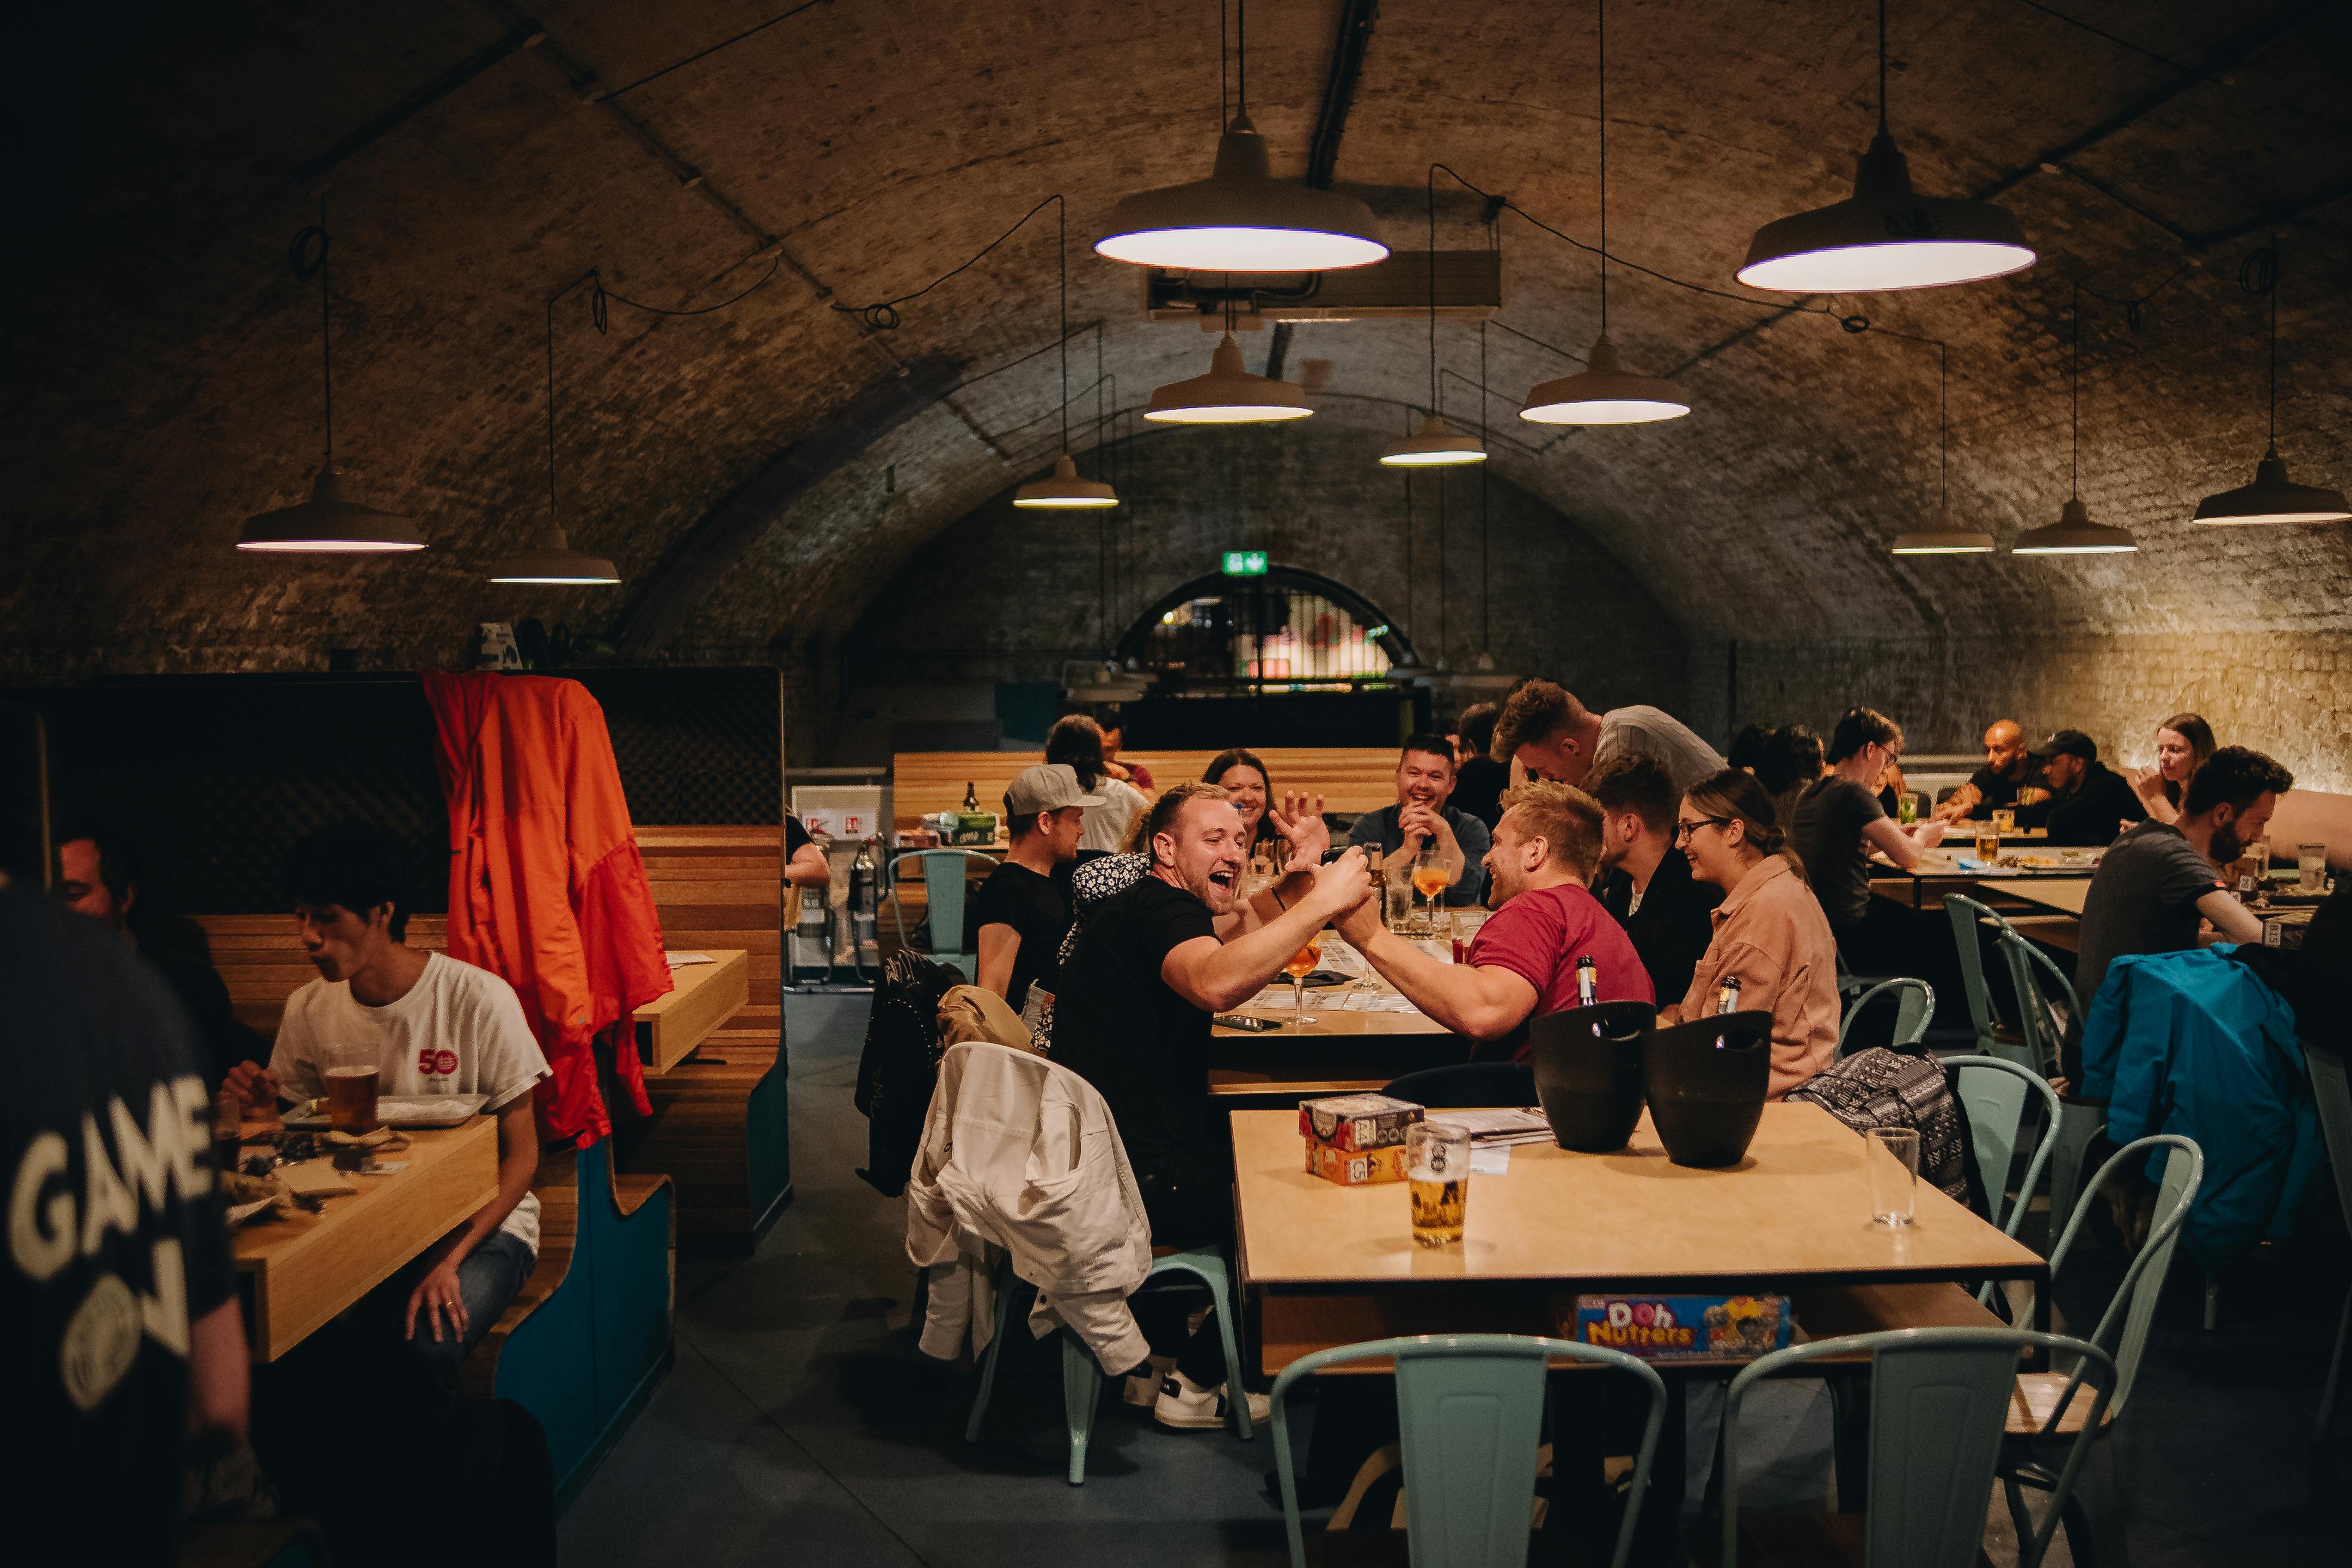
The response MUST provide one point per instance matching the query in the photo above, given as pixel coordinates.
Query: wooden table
(706, 995)
(2064, 894)
(301, 1270)
(1942, 866)
(1342, 1052)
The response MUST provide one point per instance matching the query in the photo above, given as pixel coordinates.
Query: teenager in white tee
(438, 1026)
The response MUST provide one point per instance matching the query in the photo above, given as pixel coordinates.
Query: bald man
(2006, 767)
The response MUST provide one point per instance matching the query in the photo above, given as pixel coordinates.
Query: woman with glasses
(1837, 823)
(1769, 933)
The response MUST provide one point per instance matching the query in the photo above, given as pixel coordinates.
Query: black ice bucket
(1588, 1065)
(1706, 1082)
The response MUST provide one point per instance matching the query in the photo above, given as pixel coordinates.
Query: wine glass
(1430, 880)
(1301, 965)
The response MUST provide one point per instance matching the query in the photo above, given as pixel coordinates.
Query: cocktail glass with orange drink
(1301, 965)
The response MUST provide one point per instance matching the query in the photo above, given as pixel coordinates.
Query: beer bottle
(1588, 982)
(1726, 995)
(971, 798)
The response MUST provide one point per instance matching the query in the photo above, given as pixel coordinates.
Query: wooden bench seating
(1349, 778)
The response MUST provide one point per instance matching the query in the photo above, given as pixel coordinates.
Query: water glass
(1892, 1154)
(2004, 819)
(1437, 1172)
(2311, 861)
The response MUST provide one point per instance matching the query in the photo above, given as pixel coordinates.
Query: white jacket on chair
(1021, 1156)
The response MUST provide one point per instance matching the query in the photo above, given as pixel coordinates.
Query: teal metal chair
(1915, 1008)
(1082, 1378)
(1939, 1404)
(2038, 981)
(944, 875)
(2122, 1336)
(1993, 1092)
(2329, 1088)
(1469, 1413)
(1968, 917)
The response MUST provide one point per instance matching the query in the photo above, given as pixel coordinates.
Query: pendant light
(2074, 533)
(1605, 391)
(1240, 218)
(328, 523)
(1885, 236)
(551, 560)
(1228, 395)
(1065, 490)
(1432, 445)
(1943, 535)
(2272, 497)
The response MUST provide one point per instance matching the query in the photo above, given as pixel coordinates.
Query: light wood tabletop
(703, 996)
(1346, 1050)
(1795, 1210)
(2060, 893)
(303, 1268)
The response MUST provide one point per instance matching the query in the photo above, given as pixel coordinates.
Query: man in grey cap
(1024, 907)
(2089, 802)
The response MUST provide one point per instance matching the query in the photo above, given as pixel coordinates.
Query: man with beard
(1132, 1018)
(1393, 835)
(1523, 963)
(2161, 879)
(2006, 768)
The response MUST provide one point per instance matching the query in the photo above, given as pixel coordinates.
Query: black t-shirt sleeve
(795, 836)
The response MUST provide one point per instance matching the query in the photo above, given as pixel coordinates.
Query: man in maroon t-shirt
(1523, 964)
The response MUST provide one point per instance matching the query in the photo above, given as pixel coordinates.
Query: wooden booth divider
(1349, 778)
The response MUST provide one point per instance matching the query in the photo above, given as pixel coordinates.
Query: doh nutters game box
(1684, 1328)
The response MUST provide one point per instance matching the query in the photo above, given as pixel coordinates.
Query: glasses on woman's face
(1688, 826)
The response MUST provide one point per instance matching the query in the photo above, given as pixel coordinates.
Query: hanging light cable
(551, 560)
(1064, 490)
(2074, 533)
(1885, 236)
(1605, 391)
(1240, 218)
(1229, 394)
(2272, 497)
(1943, 536)
(328, 523)
(1432, 444)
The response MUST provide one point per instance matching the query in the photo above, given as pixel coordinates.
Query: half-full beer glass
(1437, 1174)
(351, 1073)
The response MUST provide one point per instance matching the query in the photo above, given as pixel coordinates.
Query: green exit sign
(1244, 562)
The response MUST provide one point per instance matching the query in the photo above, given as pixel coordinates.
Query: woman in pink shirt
(1770, 931)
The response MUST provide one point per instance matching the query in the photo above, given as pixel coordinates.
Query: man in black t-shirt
(1132, 1018)
(2089, 801)
(2006, 769)
(1024, 909)
(118, 1291)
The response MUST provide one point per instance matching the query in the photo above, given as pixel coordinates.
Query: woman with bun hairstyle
(1770, 931)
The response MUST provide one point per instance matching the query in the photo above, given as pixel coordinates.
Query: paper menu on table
(1494, 1126)
(1490, 1159)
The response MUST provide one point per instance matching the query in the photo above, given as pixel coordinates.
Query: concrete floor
(800, 1425)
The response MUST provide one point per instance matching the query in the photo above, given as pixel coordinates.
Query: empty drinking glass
(2311, 862)
(1891, 1155)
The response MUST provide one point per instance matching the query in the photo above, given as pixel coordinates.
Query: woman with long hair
(1244, 778)
(2183, 744)
(1078, 741)
(1769, 931)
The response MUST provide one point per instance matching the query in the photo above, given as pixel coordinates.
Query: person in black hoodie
(2089, 802)
(1646, 882)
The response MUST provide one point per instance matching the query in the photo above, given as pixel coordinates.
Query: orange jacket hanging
(546, 888)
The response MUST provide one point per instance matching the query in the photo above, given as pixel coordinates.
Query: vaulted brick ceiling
(165, 384)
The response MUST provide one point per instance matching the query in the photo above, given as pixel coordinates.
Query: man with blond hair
(1552, 735)
(1523, 963)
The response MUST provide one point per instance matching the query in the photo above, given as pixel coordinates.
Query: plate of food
(400, 1111)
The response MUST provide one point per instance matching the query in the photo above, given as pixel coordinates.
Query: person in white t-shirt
(438, 1026)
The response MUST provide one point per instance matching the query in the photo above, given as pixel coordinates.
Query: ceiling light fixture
(1064, 490)
(552, 561)
(2272, 497)
(326, 524)
(1240, 218)
(1605, 391)
(1432, 444)
(1943, 535)
(1228, 395)
(1885, 236)
(2074, 533)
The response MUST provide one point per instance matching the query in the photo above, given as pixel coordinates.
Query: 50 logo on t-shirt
(436, 1064)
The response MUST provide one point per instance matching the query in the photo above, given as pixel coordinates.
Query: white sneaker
(1186, 1405)
(1143, 1389)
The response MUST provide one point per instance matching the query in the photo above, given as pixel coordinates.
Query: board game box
(1684, 1328)
(1356, 1121)
(1355, 1167)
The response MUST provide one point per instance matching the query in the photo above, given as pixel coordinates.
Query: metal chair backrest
(1470, 1411)
(1966, 914)
(1939, 1400)
(1915, 1006)
(1992, 1092)
(2123, 1327)
(1466, 1086)
(2331, 1089)
(944, 873)
(2038, 980)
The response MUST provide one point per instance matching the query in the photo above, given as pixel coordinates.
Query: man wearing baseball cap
(2089, 802)
(1024, 909)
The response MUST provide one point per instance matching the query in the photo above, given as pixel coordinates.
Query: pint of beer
(351, 1073)
(1437, 1182)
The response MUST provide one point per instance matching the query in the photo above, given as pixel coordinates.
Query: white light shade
(1242, 219)
(1434, 445)
(327, 524)
(1228, 395)
(2273, 497)
(1943, 536)
(2074, 534)
(1064, 490)
(1604, 393)
(1885, 236)
(554, 561)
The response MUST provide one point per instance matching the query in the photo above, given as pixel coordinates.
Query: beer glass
(1893, 1155)
(1988, 843)
(1906, 807)
(2004, 819)
(1437, 1173)
(1301, 965)
(351, 1073)
(2311, 863)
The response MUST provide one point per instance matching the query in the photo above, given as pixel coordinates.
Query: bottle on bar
(971, 798)
(1587, 981)
(1726, 995)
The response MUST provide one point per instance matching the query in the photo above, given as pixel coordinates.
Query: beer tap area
(834, 932)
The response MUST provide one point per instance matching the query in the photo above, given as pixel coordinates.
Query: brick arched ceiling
(164, 382)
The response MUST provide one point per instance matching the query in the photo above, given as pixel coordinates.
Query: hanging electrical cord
(2164, 60)
(751, 32)
(2258, 275)
(307, 256)
(1484, 645)
(883, 314)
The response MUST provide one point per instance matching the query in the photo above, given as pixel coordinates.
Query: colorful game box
(1355, 1167)
(1684, 1328)
(1356, 1121)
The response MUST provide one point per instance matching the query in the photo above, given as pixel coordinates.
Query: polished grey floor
(800, 1425)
